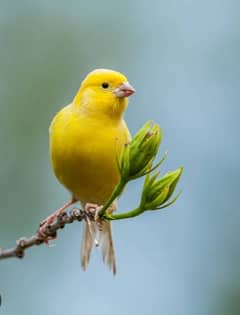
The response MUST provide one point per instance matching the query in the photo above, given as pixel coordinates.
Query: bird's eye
(105, 85)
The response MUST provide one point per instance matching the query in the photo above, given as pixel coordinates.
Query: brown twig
(50, 232)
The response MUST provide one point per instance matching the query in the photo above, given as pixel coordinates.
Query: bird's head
(104, 92)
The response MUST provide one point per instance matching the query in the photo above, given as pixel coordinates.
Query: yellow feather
(86, 137)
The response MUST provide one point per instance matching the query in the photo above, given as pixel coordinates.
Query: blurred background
(183, 59)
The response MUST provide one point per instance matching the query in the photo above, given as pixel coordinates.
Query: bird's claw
(43, 226)
(92, 211)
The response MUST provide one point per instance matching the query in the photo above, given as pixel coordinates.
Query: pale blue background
(183, 59)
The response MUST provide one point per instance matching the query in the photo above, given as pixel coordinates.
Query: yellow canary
(85, 138)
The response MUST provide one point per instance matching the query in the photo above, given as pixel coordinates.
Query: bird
(86, 138)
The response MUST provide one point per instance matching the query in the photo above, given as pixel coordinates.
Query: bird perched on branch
(85, 139)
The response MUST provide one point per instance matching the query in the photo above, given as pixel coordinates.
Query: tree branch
(50, 232)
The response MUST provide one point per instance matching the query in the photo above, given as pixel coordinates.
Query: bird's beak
(124, 90)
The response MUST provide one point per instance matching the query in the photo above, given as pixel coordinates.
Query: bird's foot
(44, 225)
(50, 219)
(92, 211)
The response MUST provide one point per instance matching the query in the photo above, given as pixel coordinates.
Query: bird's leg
(92, 210)
(50, 219)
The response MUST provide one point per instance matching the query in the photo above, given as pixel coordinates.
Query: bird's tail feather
(108, 252)
(91, 233)
(87, 243)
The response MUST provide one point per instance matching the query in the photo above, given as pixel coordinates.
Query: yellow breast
(83, 153)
